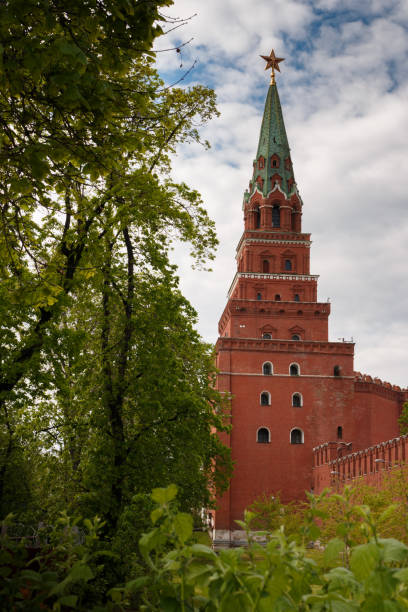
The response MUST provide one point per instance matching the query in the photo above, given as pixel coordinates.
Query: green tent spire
(272, 164)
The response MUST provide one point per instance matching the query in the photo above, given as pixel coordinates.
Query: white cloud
(343, 89)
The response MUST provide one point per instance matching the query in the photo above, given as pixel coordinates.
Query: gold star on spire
(272, 62)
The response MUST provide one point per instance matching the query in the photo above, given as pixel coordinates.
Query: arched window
(297, 400)
(262, 435)
(267, 368)
(267, 336)
(257, 218)
(297, 298)
(296, 436)
(339, 432)
(336, 370)
(265, 266)
(277, 297)
(259, 296)
(294, 369)
(295, 337)
(276, 216)
(288, 264)
(265, 399)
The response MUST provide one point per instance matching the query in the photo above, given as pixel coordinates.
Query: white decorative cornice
(262, 276)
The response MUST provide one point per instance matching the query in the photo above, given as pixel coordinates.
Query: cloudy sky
(344, 92)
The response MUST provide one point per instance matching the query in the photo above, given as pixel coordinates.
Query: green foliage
(179, 573)
(403, 419)
(275, 576)
(53, 572)
(269, 514)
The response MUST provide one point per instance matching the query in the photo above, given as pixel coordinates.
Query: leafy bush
(183, 575)
(180, 574)
(53, 573)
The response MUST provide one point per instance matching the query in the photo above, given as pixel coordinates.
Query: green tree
(105, 388)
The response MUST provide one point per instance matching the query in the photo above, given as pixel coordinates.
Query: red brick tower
(291, 387)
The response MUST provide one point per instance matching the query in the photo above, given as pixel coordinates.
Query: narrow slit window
(276, 216)
(257, 218)
(339, 433)
(265, 398)
(288, 264)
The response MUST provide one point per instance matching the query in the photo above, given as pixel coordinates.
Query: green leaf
(332, 550)
(81, 571)
(402, 575)
(150, 541)
(69, 600)
(164, 496)
(136, 584)
(183, 526)
(364, 559)
(31, 575)
(200, 550)
(116, 594)
(156, 514)
(393, 550)
(340, 578)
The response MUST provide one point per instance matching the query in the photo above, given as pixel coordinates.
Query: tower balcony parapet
(239, 305)
(273, 237)
(264, 276)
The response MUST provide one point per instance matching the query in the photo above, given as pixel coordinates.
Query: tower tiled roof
(273, 149)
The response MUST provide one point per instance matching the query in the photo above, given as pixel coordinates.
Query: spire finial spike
(272, 62)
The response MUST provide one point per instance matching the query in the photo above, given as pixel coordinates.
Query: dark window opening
(297, 298)
(339, 432)
(277, 297)
(265, 266)
(267, 369)
(264, 399)
(257, 218)
(267, 336)
(293, 222)
(295, 337)
(262, 435)
(259, 296)
(296, 436)
(276, 216)
(288, 264)
(296, 400)
(274, 163)
(336, 370)
(294, 369)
